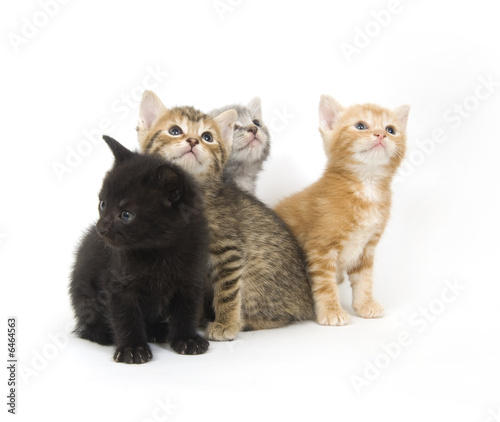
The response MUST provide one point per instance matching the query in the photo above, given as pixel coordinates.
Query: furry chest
(367, 226)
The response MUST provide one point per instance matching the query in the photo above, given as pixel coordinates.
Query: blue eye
(127, 216)
(390, 129)
(256, 123)
(207, 137)
(361, 126)
(102, 205)
(175, 131)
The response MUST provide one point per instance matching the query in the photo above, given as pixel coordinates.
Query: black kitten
(139, 273)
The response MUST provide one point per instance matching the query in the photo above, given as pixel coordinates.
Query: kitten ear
(150, 110)
(226, 122)
(402, 115)
(169, 182)
(119, 151)
(255, 108)
(329, 111)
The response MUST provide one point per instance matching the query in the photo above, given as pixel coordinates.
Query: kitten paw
(191, 346)
(334, 318)
(369, 310)
(133, 354)
(219, 332)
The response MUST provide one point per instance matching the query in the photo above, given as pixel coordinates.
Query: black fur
(143, 280)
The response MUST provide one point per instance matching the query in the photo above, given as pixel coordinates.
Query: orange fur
(340, 218)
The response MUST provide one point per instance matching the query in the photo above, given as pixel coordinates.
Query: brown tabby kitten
(340, 218)
(258, 270)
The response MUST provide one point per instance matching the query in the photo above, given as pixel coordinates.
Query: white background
(72, 74)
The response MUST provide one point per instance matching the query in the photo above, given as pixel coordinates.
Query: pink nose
(379, 136)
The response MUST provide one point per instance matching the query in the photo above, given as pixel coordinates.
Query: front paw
(369, 310)
(133, 354)
(333, 318)
(220, 332)
(157, 333)
(190, 346)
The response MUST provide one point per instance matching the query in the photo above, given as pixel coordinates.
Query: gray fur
(245, 163)
(258, 270)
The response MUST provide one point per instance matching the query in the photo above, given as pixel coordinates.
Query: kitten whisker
(257, 249)
(336, 241)
(142, 267)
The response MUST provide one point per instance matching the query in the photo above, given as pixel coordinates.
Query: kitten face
(365, 135)
(251, 140)
(198, 143)
(372, 134)
(195, 145)
(138, 203)
(125, 218)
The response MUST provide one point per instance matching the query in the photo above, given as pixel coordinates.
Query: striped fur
(258, 271)
(340, 218)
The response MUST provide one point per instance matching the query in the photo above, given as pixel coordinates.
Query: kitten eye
(391, 130)
(361, 126)
(237, 127)
(127, 216)
(207, 137)
(175, 131)
(102, 205)
(257, 123)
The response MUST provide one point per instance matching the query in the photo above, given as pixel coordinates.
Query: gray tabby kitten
(258, 270)
(251, 145)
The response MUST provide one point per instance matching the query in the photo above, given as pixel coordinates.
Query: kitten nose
(379, 136)
(100, 228)
(253, 129)
(192, 142)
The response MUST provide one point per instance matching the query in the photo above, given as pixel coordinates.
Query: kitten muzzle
(102, 228)
(251, 142)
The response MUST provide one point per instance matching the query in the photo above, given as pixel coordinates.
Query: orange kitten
(340, 218)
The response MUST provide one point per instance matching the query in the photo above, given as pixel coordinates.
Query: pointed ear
(226, 122)
(169, 182)
(255, 108)
(329, 111)
(402, 115)
(150, 110)
(119, 151)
